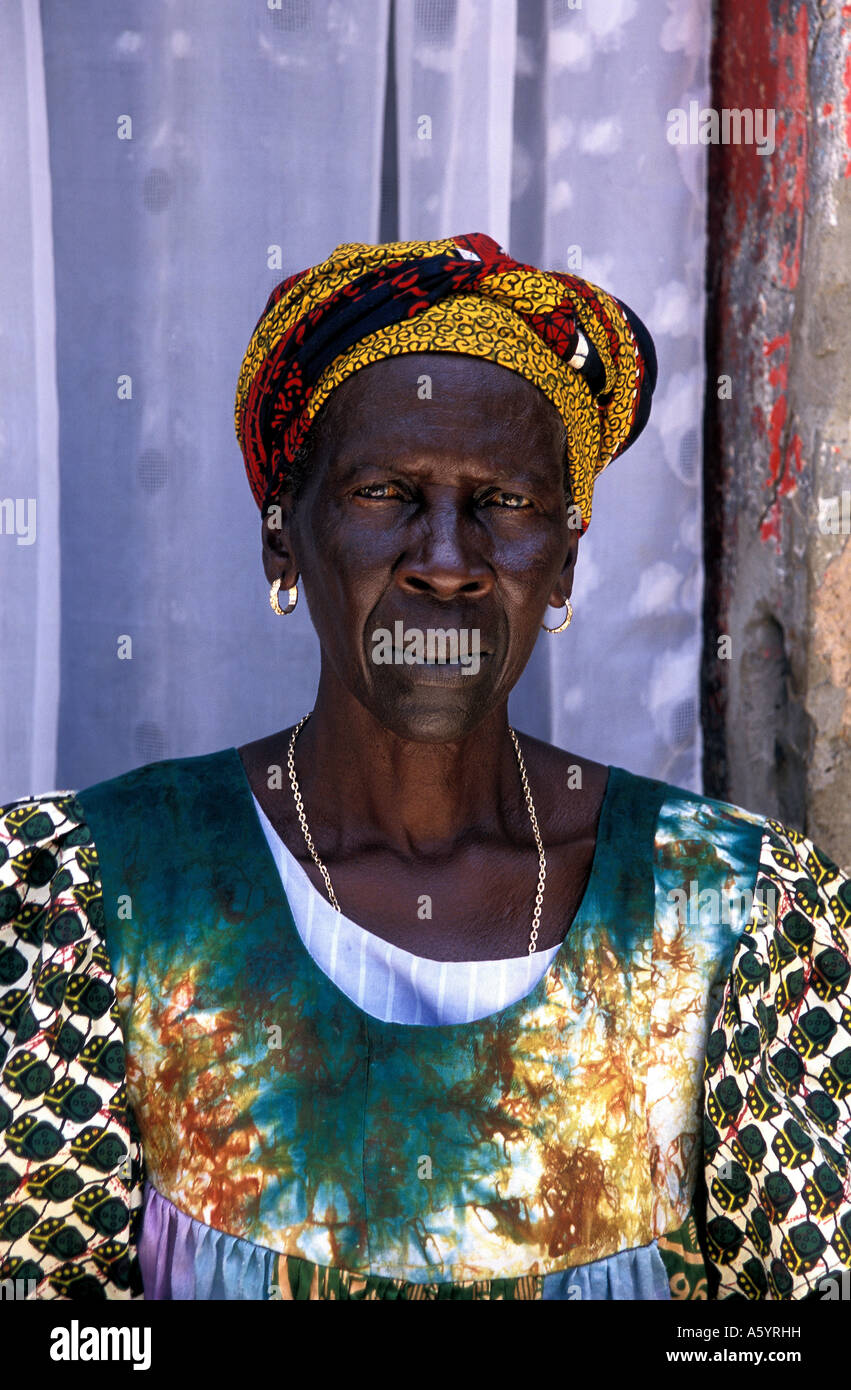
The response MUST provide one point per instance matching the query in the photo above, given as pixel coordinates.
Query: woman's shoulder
(37, 817)
(58, 822)
(796, 870)
(568, 789)
(167, 772)
(792, 870)
(689, 803)
(41, 836)
(656, 810)
(684, 829)
(563, 771)
(53, 844)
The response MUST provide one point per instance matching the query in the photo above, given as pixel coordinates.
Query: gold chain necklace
(542, 858)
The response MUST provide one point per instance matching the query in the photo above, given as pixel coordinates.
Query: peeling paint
(777, 728)
(847, 104)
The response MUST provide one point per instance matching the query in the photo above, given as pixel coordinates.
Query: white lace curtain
(260, 136)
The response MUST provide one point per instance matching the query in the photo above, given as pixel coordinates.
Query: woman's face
(434, 502)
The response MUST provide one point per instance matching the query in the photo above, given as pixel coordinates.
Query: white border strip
(502, 60)
(47, 626)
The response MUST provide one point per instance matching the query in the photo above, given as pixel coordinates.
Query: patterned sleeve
(777, 1140)
(70, 1160)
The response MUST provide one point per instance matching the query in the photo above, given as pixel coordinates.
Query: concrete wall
(777, 691)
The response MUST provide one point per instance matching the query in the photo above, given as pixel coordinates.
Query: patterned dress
(664, 1114)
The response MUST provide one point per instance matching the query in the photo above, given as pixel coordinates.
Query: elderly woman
(404, 1003)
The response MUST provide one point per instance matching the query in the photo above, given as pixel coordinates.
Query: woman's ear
(564, 586)
(279, 561)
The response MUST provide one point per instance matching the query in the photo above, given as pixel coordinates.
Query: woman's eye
(379, 491)
(391, 492)
(515, 501)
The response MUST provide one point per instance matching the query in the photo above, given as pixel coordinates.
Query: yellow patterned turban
(589, 353)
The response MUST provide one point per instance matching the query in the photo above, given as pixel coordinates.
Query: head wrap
(585, 350)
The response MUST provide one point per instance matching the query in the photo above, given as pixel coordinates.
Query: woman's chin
(434, 706)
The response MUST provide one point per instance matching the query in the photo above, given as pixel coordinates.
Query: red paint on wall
(778, 376)
(847, 105)
(764, 64)
(784, 461)
(770, 528)
(793, 456)
(769, 75)
(782, 340)
(786, 56)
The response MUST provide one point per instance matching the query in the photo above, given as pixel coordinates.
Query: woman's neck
(415, 797)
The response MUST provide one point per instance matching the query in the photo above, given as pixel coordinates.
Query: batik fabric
(663, 1115)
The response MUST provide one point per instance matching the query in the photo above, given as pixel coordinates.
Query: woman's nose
(445, 560)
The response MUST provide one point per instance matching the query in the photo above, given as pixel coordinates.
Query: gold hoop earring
(292, 595)
(569, 607)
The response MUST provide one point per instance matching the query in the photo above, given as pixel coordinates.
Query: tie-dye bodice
(558, 1132)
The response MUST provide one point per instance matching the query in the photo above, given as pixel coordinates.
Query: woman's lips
(432, 654)
(442, 672)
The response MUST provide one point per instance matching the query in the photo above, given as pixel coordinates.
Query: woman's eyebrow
(407, 463)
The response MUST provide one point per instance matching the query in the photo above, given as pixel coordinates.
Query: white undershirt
(387, 982)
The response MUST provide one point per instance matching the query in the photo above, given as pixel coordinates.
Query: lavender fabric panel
(181, 1258)
(629, 1275)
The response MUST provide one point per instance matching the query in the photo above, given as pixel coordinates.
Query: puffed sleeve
(70, 1161)
(777, 1086)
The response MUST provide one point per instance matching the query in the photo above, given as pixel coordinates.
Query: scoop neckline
(496, 1019)
(327, 907)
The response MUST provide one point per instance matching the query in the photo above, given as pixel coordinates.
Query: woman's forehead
(437, 387)
(473, 428)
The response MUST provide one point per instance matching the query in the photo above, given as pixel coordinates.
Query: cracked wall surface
(777, 455)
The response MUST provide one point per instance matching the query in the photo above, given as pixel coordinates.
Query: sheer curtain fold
(627, 210)
(214, 154)
(455, 66)
(196, 157)
(30, 559)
